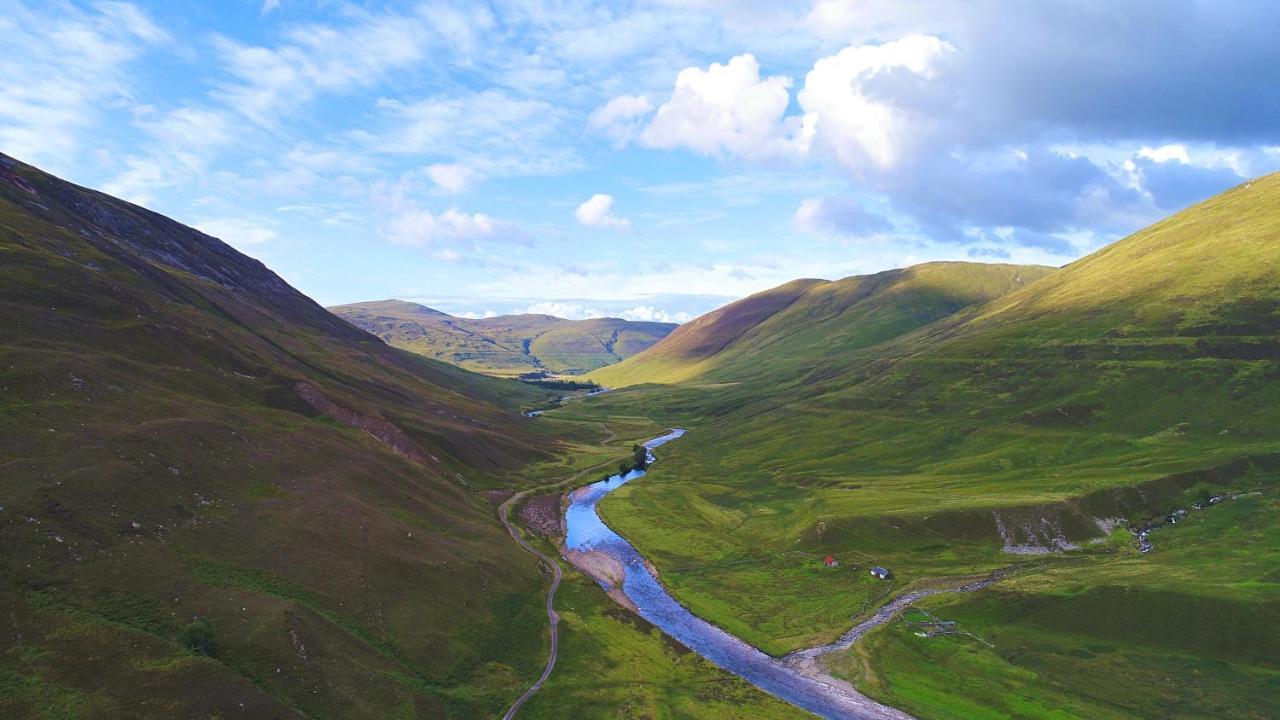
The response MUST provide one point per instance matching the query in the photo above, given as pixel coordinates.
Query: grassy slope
(158, 466)
(505, 345)
(783, 334)
(1189, 631)
(1136, 366)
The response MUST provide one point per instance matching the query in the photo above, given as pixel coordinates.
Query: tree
(198, 637)
(641, 456)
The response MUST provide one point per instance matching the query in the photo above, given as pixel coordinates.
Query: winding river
(587, 534)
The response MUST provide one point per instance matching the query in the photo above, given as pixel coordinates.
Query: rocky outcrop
(382, 430)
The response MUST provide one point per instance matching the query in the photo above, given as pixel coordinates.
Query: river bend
(587, 533)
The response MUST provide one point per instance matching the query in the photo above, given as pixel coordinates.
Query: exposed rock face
(1040, 537)
(382, 430)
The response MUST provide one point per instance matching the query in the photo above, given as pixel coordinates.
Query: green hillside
(797, 327)
(1140, 379)
(507, 344)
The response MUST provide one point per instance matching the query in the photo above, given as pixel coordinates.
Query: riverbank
(588, 537)
(608, 657)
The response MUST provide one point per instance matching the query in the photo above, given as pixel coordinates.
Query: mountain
(1037, 429)
(217, 499)
(507, 344)
(782, 330)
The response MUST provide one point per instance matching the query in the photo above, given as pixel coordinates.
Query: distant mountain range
(506, 344)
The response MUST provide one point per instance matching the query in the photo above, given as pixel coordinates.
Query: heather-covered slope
(218, 499)
(507, 344)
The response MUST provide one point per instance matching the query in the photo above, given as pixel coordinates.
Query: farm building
(830, 562)
(881, 573)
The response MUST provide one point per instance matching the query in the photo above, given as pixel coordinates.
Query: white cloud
(475, 315)
(415, 226)
(1165, 153)
(843, 20)
(316, 58)
(144, 175)
(134, 21)
(236, 232)
(598, 212)
(190, 127)
(620, 119)
(853, 123)
(183, 143)
(568, 311)
(491, 132)
(728, 110)
(725, 110)
(449, 233)
(648, 313)
(451, 178)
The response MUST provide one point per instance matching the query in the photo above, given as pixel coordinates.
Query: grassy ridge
(783, 334)
(508, 344)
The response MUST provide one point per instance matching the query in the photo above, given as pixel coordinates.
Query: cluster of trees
(562, 384)
(639, 460)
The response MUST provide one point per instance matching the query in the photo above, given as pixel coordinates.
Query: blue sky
(648, 160)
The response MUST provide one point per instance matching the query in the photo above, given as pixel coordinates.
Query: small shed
(830, 562)
(881, 573)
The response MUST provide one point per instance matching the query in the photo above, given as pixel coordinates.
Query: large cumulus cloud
(1020, 123)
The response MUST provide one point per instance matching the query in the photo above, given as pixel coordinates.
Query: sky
(649, 160)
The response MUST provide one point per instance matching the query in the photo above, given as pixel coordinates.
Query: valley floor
(1097, 630)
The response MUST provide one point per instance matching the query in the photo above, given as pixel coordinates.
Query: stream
(587, 534)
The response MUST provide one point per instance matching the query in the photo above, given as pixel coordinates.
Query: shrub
(198, 638)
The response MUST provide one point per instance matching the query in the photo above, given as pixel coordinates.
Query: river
(587, 533)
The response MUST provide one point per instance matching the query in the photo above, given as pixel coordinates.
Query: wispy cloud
(266, 81)
(63, 70)
(450, 232)
(741, 143)
(238, 232)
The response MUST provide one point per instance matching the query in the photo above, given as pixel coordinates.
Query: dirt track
(504, 511)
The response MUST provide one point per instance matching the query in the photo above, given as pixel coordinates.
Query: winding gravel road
(504, 512)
